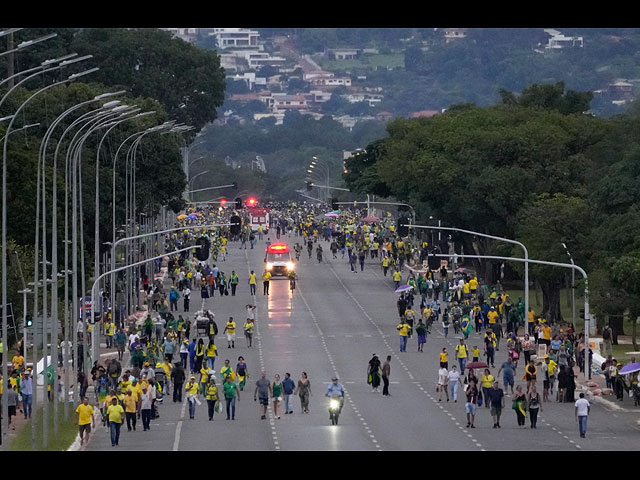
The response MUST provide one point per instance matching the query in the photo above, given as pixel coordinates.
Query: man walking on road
(266, 277)
(85, 419)
(288, 387)
(252, 283)
(463, 354)
(263, 392)
(386, 372)
(583, 407)
(403, 329)
(496, 394)
(177, 379)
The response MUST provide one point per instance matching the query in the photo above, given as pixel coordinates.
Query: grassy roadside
(67, 432)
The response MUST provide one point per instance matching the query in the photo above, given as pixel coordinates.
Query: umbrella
(475, 365)
(370, 219)
(191, 217)
(630, 368)
(182, 217)
(331, 215)
(404, 288)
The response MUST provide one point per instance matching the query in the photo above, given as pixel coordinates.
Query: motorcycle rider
(336, 390)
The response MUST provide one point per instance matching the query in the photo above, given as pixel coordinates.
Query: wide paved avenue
(332, 324)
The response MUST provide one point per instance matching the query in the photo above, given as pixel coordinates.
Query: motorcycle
(334, 410)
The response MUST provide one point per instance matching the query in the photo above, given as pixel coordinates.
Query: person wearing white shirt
(145, 408)
(582, 412)
(443, 383)
(454, 381)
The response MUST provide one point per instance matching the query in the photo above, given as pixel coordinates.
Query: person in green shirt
(230, 394)
(233, 281)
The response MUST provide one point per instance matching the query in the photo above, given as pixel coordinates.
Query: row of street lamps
(106, 118)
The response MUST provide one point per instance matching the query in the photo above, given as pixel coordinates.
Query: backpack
(606, 334)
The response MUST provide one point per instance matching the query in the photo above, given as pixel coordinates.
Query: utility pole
(10, 61)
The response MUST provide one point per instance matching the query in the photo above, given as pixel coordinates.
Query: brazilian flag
(465, 323)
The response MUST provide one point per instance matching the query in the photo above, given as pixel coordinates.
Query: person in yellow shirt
(466, 290)
(130, 408)
(205, 374)
(462, 352)
(114, 414)
(397, 278)
(230, 329)
(211, 396)
(475, 353)
(109, 332)
(444, 358)
(473, 285)
(191, 389)
(17, 361)
(531, 323)
(403, 329)
(385, 264)
(211, 351)
(252, 282)
(85, 419)
(492, 316)
(487, 383)
(266, 279)
(248, 331)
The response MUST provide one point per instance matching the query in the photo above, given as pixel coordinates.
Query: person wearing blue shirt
(336, 390)
(509, 371)
(288, 386)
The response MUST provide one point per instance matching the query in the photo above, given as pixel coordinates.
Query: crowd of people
(172, 352)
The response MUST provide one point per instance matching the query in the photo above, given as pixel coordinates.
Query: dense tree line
(532, 167)
(158, 73)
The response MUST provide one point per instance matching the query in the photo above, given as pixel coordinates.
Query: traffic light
(235, 224)
(239, 203)
(403, 229)
(202, 253)
(582, 313)
(235, 185)
(334, 203)
(252, 202)
(29, 321)
(223, 202)
(309, 185)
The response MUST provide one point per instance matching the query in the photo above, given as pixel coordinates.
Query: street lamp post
(573, 285)
(4, 215)
(573, 266)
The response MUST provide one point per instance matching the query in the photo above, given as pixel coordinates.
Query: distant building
(558, 41)
(349, 122)
(187, 34)
(451, 34)
(235, 38)
(384, 116)
(372, 99)
(326, 79)
(241, 60)
(343, 53)
(620, 90)
(249, 78)
(423, 114)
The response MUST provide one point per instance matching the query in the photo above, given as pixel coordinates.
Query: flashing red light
(278, 248)
(223, 202)
(251, 201)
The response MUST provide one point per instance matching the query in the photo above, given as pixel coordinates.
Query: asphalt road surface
(332, 324)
